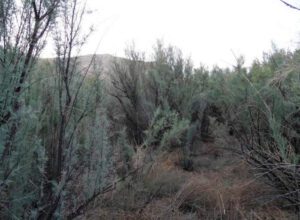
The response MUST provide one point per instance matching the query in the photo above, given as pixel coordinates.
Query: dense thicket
(53, 132)
(66, 134)
(259, 105)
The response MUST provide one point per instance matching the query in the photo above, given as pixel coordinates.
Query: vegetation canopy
(104, 137)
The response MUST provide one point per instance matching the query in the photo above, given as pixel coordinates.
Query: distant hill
(102, 63)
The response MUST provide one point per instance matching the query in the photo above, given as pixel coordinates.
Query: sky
(211, 32)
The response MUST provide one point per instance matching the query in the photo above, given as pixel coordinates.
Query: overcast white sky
(206, 30)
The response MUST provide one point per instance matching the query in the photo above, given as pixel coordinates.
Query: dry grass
(229, 191)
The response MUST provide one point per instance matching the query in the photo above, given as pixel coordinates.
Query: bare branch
(36, 14)
(289, 5)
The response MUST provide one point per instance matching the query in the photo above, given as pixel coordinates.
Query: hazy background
(209, 31)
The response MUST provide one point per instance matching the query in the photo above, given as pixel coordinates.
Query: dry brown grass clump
(225, 190)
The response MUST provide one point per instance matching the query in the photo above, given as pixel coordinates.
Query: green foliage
(262, 107)
(171, 82)
(167, 130)
(53, 134)
(61, 132)
(126, 90)
(175, 137)
(98, 155)
(126, 151)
